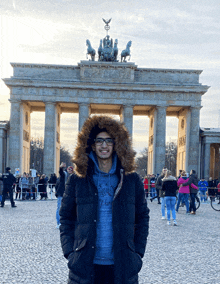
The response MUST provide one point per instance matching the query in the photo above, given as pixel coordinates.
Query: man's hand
(63, 165)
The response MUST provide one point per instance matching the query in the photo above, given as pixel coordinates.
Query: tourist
(61, 187)
(17, 187)
(104, 215)
(193, 192)
(203, 184)
(52, 182)
(183, 194)
(152, 188)
(161, 193)
(146, 185)
(23, 183)
(8, 181)
(170, 187)
(42, 187)
(211, 187)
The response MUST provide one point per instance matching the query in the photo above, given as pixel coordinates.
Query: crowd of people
(167, 189)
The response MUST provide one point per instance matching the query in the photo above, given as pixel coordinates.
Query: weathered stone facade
(106, 87)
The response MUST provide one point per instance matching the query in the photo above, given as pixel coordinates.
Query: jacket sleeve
(158, 184)
(178, 182)
(193, 186)
(188, 182)
(141, 218)
(68, 217)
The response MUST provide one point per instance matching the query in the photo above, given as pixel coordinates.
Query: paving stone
(30, 250)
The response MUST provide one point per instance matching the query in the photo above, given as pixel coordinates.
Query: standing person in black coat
(104, 215)
(42, 187)
(8, 181)
(60, 187)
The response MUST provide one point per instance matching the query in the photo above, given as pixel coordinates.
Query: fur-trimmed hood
(116, 130)
(169, 178)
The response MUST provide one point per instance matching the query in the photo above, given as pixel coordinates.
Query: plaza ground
(30, 250)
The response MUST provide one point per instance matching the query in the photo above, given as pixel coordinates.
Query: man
(8, 181)
(193, 192)
(104, 215)
(61, 187)
(158, 185)
(152, 186)
(203, 184)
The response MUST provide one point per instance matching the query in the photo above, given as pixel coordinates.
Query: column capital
(15, 100)
(161, 106)
(84, 104)
(195, 107)
(49, 102)
(127, 105)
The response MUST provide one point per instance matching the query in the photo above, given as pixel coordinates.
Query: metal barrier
(23, 193)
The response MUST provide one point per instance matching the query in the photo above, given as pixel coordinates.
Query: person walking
(183, 194)
(161, 193)
(170, 187)
(104, 215)
(8, 181)
(193, 192)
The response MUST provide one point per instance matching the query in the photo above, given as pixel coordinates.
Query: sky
(168, 34)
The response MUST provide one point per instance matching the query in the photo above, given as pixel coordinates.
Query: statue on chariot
(107, 52)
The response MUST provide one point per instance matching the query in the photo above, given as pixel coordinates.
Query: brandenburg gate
(109, 87)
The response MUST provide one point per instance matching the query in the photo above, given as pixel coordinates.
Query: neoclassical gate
(104, 87)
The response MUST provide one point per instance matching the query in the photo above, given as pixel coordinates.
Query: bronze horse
(90, 51)
(126, 52)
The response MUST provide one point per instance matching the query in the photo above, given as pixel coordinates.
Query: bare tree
(37, 155)
(141, 163)
(171, 156)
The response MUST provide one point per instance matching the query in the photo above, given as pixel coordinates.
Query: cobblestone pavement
(30, 249)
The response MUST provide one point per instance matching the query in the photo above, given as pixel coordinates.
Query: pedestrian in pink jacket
(183, 194)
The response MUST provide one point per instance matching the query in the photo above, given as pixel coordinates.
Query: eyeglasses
(99, 141)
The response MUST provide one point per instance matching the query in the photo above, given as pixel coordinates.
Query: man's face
(103, 150)
(70, 171)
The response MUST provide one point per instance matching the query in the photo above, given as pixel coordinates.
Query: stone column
(2, 161)
(216, 167)
(127, 117)
(160, 139)
(193, 157)
(15, 138)
(182, 149)
(84, 112)
(50, 138)
(207, 161)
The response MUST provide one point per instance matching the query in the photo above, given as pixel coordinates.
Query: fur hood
(169, 178)
(86, 136)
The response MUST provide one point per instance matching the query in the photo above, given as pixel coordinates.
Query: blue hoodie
(106, 184)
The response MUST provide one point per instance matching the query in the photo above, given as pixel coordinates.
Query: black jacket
(8, 180)
(192, 179)
(158, 185)
(61, 186)
(130, 217)
(170, 186)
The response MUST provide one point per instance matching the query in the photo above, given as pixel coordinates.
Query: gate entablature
(109, 87)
